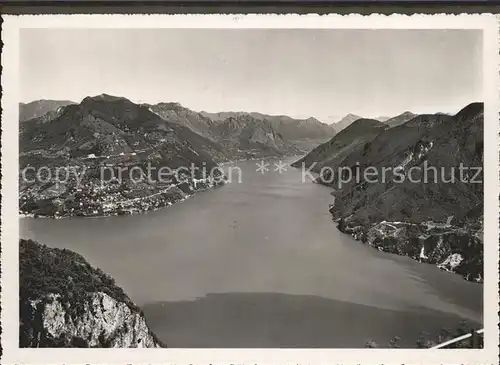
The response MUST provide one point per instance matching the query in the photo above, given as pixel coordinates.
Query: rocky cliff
(64, 302)
(291, 129)
(176, 113)
(452, 246)
(247, 136)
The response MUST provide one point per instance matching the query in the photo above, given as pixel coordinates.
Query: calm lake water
(261, 264)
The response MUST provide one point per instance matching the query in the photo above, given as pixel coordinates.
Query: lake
(261, 264)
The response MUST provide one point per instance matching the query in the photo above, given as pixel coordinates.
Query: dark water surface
(261, 264)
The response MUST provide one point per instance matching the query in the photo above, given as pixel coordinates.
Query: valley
(116, 157)
(261, 264)
(120, 158)
(247, 182)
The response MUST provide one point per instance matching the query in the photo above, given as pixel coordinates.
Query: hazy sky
(320, 73)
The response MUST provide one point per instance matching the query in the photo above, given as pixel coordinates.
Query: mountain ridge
(174, 112)
(38, 108)
(346, 121)
(400, 119)
(290, 128)
(339, 146)
(105, 133)
(406, 217)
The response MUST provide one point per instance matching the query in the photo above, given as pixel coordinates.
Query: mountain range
(348, 140)
(114, 132)
(345, 122)
(437, 219)
(107, 133)
(390, 121)
(176, 113)
(400, 119)
(239, 133)
(293, 132)
(106, 125)
(290, 128)
(65, 302)
(39, 108)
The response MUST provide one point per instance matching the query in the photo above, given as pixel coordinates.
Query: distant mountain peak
(400, 119)
(313, 119)
(346, 141)
(39, 108)
(346, 121)
(105, 97)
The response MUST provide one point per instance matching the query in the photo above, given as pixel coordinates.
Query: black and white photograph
(253, 187)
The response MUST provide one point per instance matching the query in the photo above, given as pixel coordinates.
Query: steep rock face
(176, 113)
(64, 302)
(291, 129)
(417, 179)
(253, 137)
(38, 108)
(104, 322)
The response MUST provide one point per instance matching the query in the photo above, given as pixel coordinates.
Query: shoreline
(363, 234)
(168, 203)
(449, 264)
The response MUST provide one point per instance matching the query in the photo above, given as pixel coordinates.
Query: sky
(325, 73)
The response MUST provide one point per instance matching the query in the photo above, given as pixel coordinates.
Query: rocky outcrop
(103, 322)
(64, 302)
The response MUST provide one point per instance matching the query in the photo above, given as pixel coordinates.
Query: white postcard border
(10, 227)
